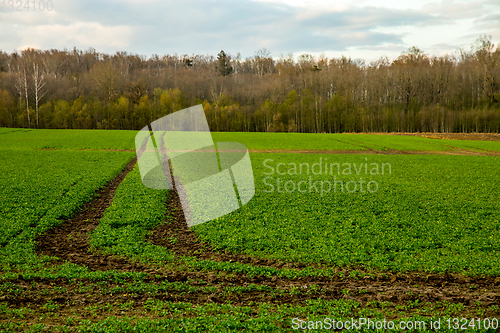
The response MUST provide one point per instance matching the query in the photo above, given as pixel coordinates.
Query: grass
(471, 144)
(13, 138)
(358, 142)
(394, 142)
(135, 210)
(430, 213)
(288, 141)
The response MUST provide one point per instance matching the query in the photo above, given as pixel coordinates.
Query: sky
(360, 29)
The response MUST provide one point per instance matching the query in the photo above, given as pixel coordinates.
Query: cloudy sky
(366, 29)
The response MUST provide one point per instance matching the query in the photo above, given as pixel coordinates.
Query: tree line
(415, 92)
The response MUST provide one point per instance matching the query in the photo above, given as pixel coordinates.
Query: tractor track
(70, 240)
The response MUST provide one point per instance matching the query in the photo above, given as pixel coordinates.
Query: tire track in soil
(359, 291)
(370, 151)
(70, 240)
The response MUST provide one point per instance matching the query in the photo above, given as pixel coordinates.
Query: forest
(416, 92)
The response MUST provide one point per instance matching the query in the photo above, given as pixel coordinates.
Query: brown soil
(73, 297)
(459, 136)
(457, 151)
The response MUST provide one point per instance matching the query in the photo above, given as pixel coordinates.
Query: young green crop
(359, 142)
(42, 188)
(479, 146)
(394, 142)
(135, 210)
(13, 138)
(430, 213)
(65, 139)
(288, 141)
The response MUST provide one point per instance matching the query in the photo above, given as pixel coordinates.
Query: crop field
(386, 227)
(345, 143)
(22, 139)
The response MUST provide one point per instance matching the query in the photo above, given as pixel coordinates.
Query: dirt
(77, 297)
(397, 289)
(457, 136)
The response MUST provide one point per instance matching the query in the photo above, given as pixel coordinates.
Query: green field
(63, 139)
(124, 140)
(420, 241)
(431, 213)
(353, 142)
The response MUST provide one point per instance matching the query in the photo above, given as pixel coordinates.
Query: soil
(459, 136)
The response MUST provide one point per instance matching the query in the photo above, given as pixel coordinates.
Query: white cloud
(81, 35)
(358, 28)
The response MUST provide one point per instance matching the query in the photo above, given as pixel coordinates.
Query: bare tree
(38, 85)
(106, 77)
(262, 62)
(21, 85)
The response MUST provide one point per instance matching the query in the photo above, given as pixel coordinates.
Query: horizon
(295, 57)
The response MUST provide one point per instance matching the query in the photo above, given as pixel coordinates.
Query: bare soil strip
(96, 302)
(457, 136)
(457, 151)
(394, 290)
